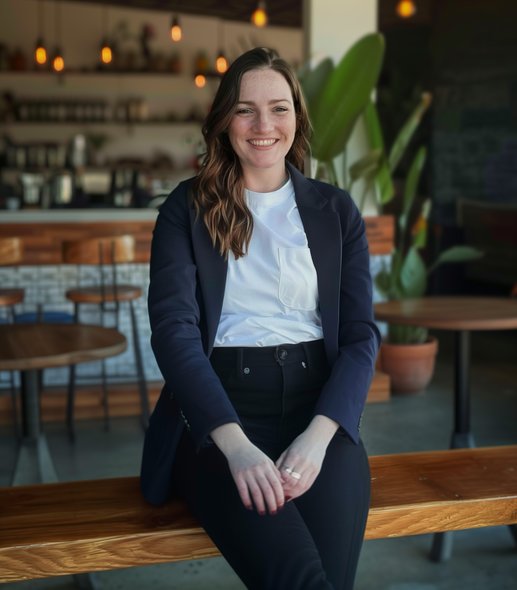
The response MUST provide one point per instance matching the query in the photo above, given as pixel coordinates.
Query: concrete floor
(483, 559)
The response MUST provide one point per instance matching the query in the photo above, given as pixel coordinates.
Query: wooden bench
(86, 526)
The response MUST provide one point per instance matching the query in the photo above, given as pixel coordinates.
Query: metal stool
(11, 252)
(102, 252)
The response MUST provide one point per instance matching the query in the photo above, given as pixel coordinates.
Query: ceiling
(282, 13)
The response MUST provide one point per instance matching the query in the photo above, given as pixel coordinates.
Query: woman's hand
(255, 475)
(304, 456)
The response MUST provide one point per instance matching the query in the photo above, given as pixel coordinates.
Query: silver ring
(285, 468)
(295, 475)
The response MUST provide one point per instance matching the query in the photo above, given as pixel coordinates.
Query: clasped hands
(260, 479)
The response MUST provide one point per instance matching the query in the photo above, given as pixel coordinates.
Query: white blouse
(271, 294)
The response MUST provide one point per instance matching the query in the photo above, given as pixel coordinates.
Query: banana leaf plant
(377, 167)
(336, 97)
(407, 274)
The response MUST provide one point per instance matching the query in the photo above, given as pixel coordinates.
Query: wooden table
(462, 315)
(31, 347)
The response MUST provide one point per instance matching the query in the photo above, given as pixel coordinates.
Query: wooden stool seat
(10, 296)
(78, 526)
(97, 295)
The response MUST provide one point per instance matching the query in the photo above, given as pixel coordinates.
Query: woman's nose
(262, 123)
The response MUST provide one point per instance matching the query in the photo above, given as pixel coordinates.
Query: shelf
(106, 73)
(102, 123)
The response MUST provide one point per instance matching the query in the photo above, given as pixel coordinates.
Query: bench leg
(513, 531)
(442, 546)
(86, 582)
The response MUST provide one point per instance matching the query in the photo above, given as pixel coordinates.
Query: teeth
(262, 141)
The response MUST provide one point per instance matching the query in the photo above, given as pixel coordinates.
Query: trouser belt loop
(307, 356)
(238, 364)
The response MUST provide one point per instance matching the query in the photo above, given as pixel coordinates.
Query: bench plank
(75, 527)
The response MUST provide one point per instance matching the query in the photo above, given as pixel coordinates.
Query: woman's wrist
(229, 437)
(322, 428)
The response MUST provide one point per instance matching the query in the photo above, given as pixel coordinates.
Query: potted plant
(408, 353)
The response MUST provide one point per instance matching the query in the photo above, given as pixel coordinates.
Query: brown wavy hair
(218, 189)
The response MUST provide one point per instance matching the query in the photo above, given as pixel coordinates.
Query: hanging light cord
(58, 23)
(41, 17)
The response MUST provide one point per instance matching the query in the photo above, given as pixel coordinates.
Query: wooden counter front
(42, 236)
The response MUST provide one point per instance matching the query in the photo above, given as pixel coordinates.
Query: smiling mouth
(262, 142)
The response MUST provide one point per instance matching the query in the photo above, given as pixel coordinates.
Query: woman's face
(264, 121)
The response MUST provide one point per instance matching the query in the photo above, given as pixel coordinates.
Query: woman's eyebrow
(269, 102)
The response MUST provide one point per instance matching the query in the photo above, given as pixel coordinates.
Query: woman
(261, 314)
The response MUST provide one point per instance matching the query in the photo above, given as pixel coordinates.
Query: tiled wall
(46, 285)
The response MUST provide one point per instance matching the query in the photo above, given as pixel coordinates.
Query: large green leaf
(345, 95)
(376, 141)
(420, 235)
(314, 81)
(406, 133)
(367, 166)
(412, 185)
(383, 281)
(456, 254)
(413, 275)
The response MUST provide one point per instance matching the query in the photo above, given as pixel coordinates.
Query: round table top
(450, 313)
(41, 346)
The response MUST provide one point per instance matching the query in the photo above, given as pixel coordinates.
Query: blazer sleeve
(174, 315)
(344, 395)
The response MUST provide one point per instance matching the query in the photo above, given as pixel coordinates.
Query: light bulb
(175, 29)
(259, 17)
(406, 8)
(58, 63)
(41, 55)
(221, 65)
(200, 81)
(106, 54)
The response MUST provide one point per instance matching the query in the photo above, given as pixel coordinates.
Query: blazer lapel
(211, 271)
(323, 231)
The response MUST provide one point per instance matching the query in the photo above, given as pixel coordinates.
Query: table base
(34, 463)
(462, 437)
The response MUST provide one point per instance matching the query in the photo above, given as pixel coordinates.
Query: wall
(81, 34)
(475, 115)
(330, 29)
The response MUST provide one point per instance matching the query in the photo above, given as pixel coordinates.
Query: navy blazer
(188, 278)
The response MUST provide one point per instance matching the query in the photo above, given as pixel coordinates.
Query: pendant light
(259, 17)
(40, 53)
(221, 64)
(106, 53)
(406, 8)
(176, 32)
(58, 63)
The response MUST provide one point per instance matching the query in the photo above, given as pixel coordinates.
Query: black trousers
(315, 541)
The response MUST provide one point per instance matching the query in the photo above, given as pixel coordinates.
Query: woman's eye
(281, 109)
(243, 111)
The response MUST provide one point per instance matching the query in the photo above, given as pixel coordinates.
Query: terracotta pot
(410, 366)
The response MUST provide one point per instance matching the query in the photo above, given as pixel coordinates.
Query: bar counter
(44, 230)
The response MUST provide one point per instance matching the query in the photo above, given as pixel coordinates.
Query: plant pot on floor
(410, 366)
